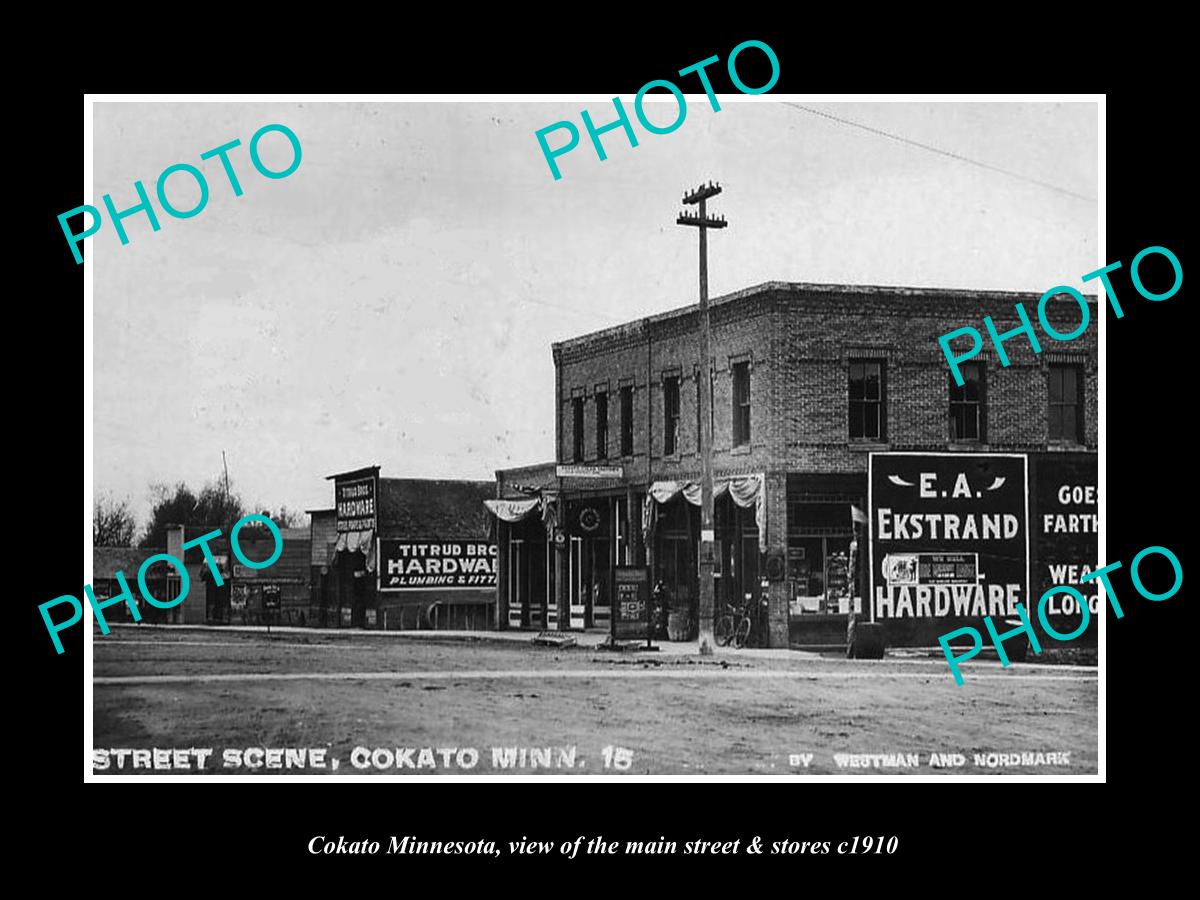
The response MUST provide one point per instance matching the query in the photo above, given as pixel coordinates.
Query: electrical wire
(947, 153)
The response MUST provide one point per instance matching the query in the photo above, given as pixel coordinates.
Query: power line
(948, 153)
(572, 309)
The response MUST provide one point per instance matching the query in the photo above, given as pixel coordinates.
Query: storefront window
(819, 572)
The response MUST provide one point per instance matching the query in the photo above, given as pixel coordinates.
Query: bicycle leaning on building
(738, 622)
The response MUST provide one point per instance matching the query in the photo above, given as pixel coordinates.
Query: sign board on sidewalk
(631, 603)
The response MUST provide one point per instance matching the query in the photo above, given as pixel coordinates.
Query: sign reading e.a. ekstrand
(949, 534)
(406, 565)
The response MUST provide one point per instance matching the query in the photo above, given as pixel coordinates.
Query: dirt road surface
(386, 705)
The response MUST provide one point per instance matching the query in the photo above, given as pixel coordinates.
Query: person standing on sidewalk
(660, 601)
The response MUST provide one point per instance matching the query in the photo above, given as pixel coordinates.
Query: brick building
(810, 382)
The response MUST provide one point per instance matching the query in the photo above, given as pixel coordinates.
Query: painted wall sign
(949, 535)
(578, 471)
(356, 503)
(406, 565)
(1065, 523)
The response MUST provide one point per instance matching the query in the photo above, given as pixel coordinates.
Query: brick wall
(799, 341)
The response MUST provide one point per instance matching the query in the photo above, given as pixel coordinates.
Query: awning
(360, 541)
(520, 510)
(513, 510)
(746, 491)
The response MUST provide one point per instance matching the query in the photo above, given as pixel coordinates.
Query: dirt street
(384, 705)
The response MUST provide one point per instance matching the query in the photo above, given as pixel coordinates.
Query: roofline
(366, 470)
(810, 287)
(551, 464)
(441, 480)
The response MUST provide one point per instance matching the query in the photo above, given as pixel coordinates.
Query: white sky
(393, 301)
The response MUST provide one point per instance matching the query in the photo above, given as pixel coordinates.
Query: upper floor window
(1065, 406)
(967, 419)
(601, 425)
(627, 420)
(671, 415)
(741, 404)
(577, 431)
(868, 409)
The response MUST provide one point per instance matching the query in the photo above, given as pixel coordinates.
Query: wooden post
(707, 591)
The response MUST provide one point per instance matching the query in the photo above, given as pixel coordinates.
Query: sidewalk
(585, 639)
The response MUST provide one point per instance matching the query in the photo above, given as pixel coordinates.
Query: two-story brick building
(810, 383)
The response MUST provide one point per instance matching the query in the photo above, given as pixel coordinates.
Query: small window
(1065, 408)
(967, 419)
(671, 415)
(577, 414)
(868, 417)
(627, 420)
(741, 404)
(601, 425)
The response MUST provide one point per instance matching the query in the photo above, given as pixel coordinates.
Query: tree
(113, 524)
(178, 505)
(283, 518)
(288, 518)
(215, 507)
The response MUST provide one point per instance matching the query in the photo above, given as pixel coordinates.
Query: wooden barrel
(679, 623)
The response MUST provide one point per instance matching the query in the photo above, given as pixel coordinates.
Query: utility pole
(225, 466)
(707, 535)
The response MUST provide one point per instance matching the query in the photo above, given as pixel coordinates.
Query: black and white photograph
(531, 437)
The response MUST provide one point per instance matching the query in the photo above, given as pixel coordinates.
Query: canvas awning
(361, 541)
(514, 510)
(746, 491)
(521, 510)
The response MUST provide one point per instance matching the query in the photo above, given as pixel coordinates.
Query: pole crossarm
(697, 221)
(701, 193)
